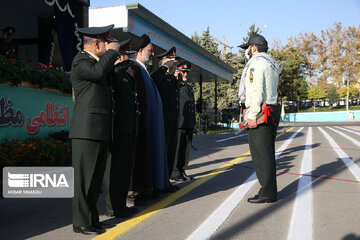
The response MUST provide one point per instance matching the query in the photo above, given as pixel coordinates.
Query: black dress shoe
(185, 176)
(109, 213)
(178, 179)
(89, 230)
(258, 199)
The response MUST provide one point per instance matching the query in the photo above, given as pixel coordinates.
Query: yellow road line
(353, 127)
(125, 226)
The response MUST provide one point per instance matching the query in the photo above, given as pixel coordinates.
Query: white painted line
(344, 157)
(214, 221)
(225, 139)
(348, 130)
(302, 219)
(346, 136)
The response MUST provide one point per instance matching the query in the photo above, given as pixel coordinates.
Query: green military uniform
(90, 130)
(169, 88)
(259, 84)
(186, 123)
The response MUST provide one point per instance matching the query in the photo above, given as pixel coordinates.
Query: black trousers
(262, 148)
(118, 172)
(172, 145)
(183, 154)
(88, 161)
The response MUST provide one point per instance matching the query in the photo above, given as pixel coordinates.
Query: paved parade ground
(318, 175)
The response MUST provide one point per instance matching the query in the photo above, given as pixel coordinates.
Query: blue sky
(278, 19)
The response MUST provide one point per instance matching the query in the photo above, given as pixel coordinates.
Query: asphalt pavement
(318, 175)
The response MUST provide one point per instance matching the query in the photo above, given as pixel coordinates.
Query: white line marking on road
(225, 139)
(348, 130)
(214, 221)
(346, 136)
(344, 157)
(302, 220)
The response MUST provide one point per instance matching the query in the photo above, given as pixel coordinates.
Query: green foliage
(332, 95)
(35, 151)
(42, 76)
(353, 92)
(227, 92)
(316, 93)
(292, 84)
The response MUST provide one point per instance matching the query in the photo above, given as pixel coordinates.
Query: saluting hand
(112, 45)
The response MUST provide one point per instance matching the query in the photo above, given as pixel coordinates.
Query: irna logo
(37, 180)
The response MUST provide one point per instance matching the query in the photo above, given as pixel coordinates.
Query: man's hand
(169, 62)
(251, 123)
(112, 45)
(118, 61)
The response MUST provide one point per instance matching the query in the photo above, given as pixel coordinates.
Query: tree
(292, 84)
(332, 95)
(315, 94)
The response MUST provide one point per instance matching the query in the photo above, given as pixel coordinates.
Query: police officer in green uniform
(168, 87)
(125, 130)
(7, 48)
(186, 123)
(91, 123)
(258, 84)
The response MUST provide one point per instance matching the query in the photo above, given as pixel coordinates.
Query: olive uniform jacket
(186, 107)
(168, 88)
(92, 109)
(125, 99)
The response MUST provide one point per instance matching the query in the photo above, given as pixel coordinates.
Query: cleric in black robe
(156, 143)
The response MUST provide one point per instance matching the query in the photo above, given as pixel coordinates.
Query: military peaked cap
(255, 39)
(169, 54)
(98, 32)
(9, 29)
(141, 42)
(125, 47)
(184, 66)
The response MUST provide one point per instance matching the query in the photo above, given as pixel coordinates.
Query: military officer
(7, 48)
(259, 83)
(91, 122)
(168, 87)
(125, 130)
(186, 123)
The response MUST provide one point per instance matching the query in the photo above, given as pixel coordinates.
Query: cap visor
(244, 46)
(111, 39)
(128, 52)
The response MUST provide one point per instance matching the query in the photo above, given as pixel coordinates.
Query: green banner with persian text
(26, 112)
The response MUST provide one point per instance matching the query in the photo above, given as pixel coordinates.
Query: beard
(148, 59)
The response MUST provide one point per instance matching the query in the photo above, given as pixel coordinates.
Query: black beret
(184, 66)
(141, 42)
(98, 32)
(9, 29)
(255, 39)
(168, 54)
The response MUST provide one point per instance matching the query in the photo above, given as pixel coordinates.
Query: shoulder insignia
(251, 77)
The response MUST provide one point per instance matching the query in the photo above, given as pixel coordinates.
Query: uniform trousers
(88, 161)
(262, 147)
(118, 172)
(171, 146)
(183, 154)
